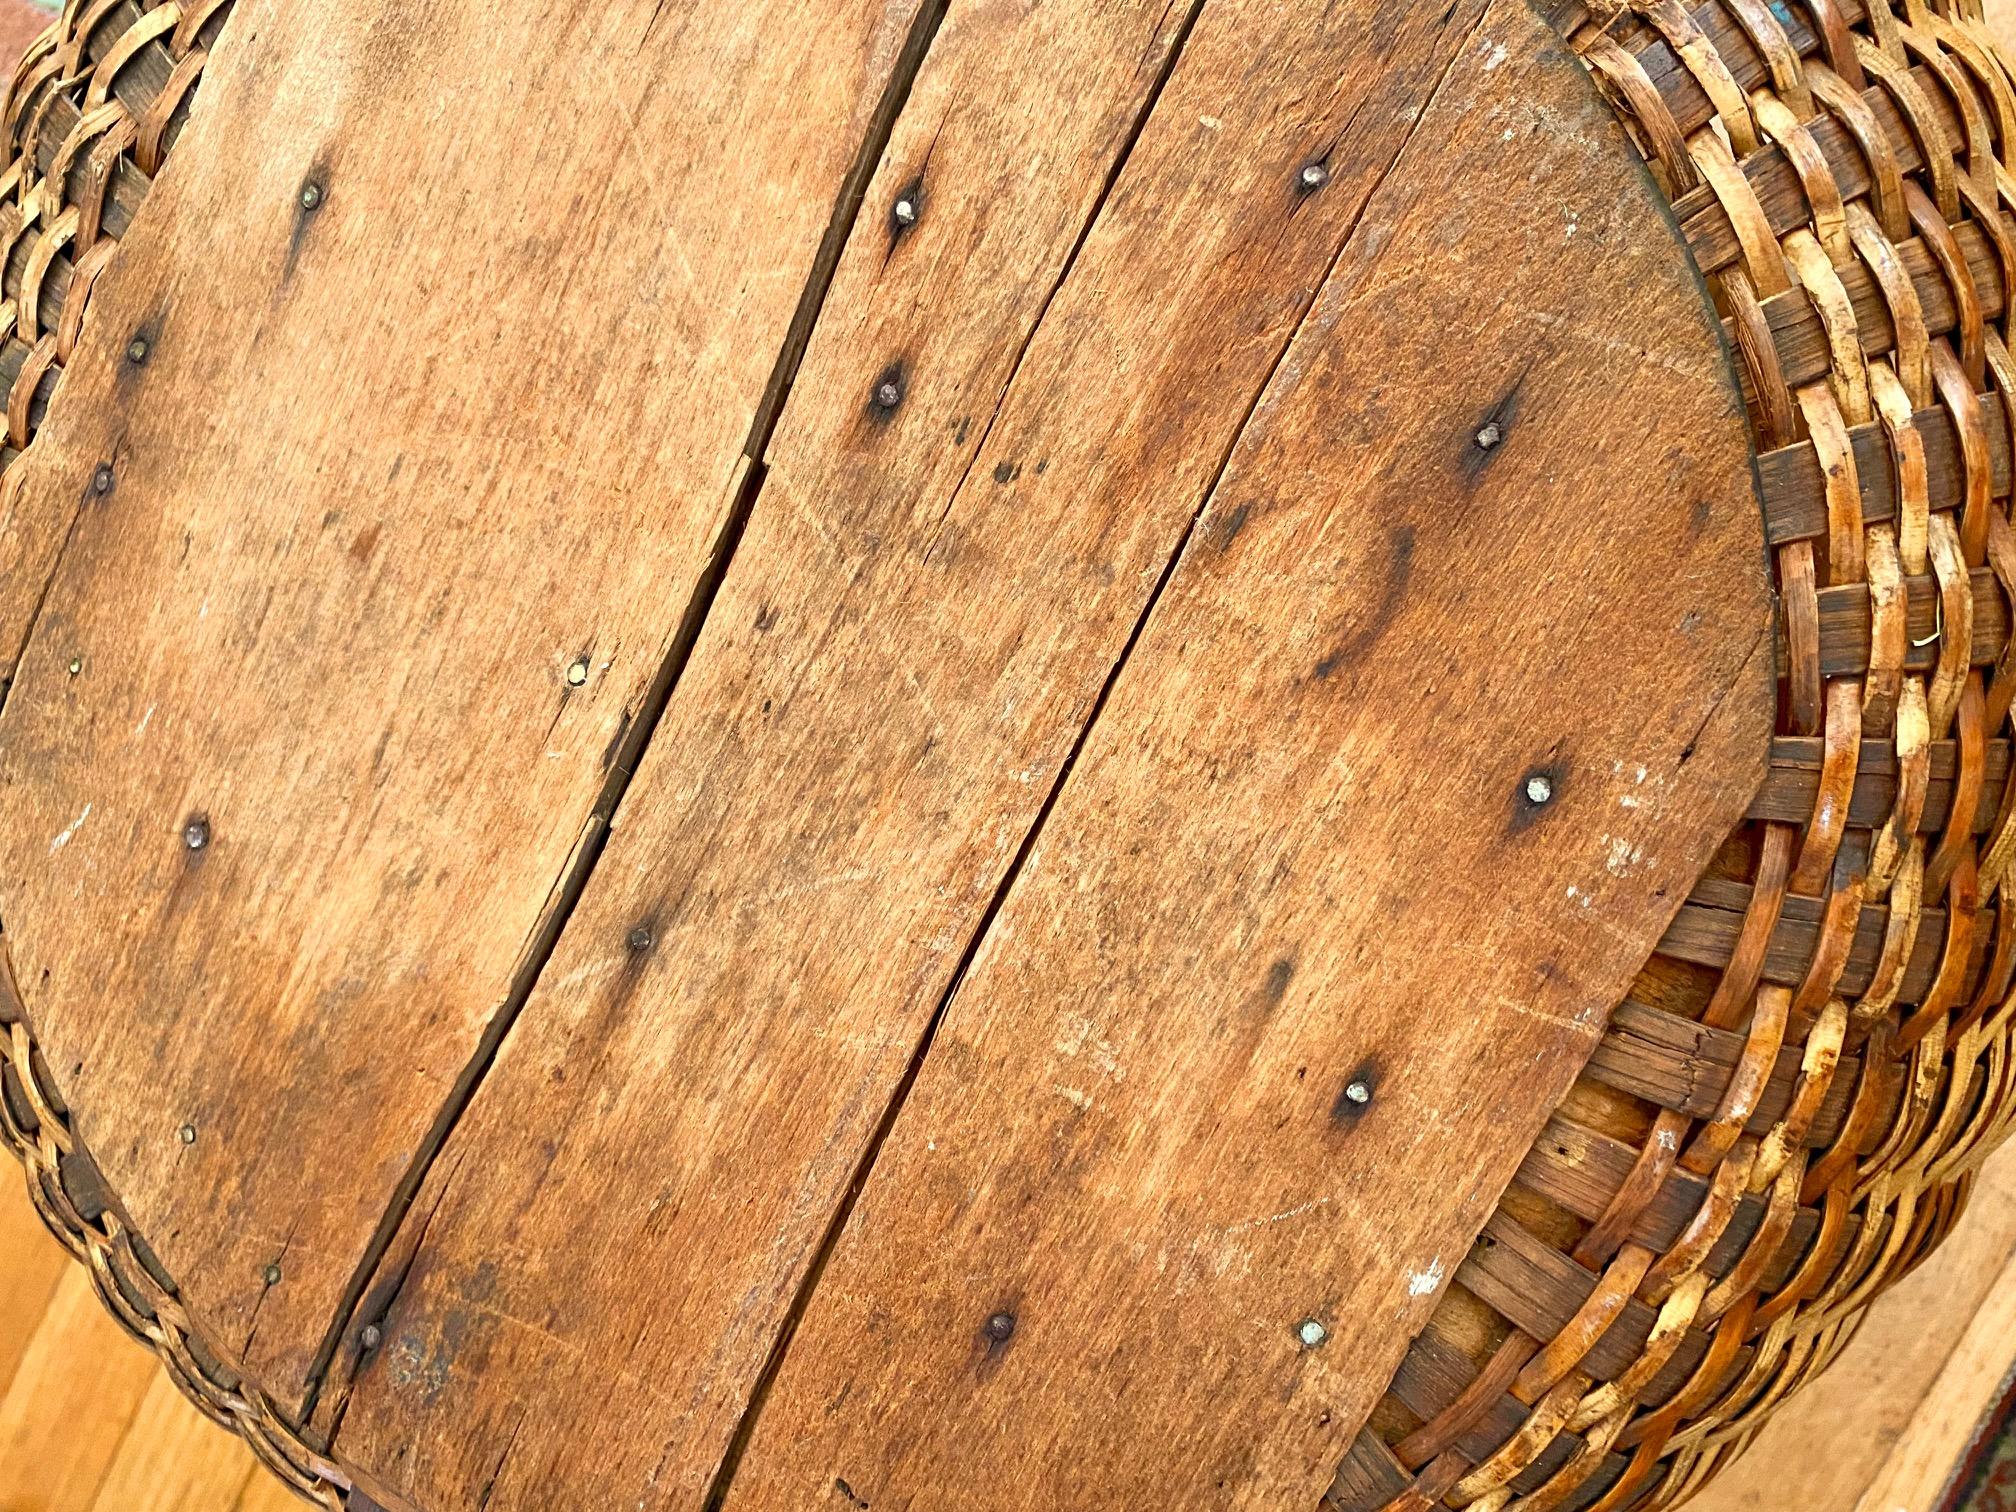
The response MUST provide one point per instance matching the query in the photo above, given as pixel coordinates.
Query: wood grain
(60, 1427)
(32, 1265)
(912, 635)
(389, 470)
(171, 1458)
(1134, 1168)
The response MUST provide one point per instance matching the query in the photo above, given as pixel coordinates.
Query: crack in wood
(581, 863)
(745, 1428)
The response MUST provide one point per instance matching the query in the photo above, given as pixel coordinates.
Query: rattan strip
(93, 108)
(1786, 1115)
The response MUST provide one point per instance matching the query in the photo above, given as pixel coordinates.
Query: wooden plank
(438, 404)
(32, 1263)
(914, 630)
(61, 1426)
(1935, 1442)
(265, 1492)
(172, 1458)
(1133, 1239)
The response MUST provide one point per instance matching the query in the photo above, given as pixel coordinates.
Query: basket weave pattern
(1786, 1115)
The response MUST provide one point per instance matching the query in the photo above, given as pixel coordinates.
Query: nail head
(372, 1336)
(906, 211)
(1358, 1092)
(136, 350)
(1539, 788)
(639, 939)
(1491, 434)
(271, 1275)
(76, 665)
(1311, 1333)
(311, 196)
(1314, 175)
(1000, 1327)
(196, 834)
(888, 393)
(577, 673)
(187, 1134)
(102, 480)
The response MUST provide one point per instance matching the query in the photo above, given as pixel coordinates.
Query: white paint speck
(1494, 54)
(1422, 1283)
(1623, 855)
(145, 720)
(70, 832)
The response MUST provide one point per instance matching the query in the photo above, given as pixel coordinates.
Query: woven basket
(1786, 1114)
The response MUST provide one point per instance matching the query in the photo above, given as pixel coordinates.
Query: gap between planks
(745, 1428)
(573, 881)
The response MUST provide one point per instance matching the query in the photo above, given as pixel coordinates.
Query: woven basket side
(1786, 1114)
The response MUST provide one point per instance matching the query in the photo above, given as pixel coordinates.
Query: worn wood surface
(341, 649)
(895, 672)
(426, 418)
(89, 1422)
(914, 631)
(1204, 1130)
(1878, 1404)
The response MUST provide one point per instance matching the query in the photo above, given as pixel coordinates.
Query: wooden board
(915, 629)
(911, 641)
(1298, 964)
(61, 1428)
(457, 321)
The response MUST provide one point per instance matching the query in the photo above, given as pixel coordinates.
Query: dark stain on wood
(766, 618)
(853, 1498)
(1363, 636)
(1231, 523)
(1279, 975)
(1007, 472)
(139, 346)
(886, 397)
(912, 195)
(615, 745)
(308, 202)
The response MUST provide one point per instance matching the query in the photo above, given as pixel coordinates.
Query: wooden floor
(88, 1422)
